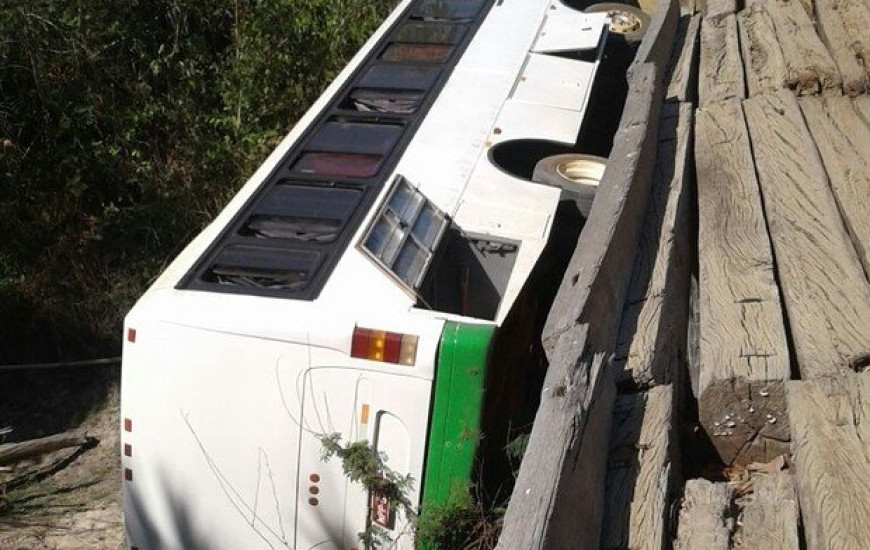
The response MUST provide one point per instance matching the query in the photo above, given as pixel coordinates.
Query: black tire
(577, 175)
(629, 21)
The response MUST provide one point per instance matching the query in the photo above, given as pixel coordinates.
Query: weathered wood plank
(855, 15)
(717, 9)
(721, 70)
(810, 68)
(558, 498)
(651, 343)
(693, 337)
(830, 423)
(844, 143)
(706, 518)
(862, 105)
(762, 57)
(743, 344)
(658, 40)
(832, 30)
(823, 285)
(769, 516)
(639, 471)
(682, 75)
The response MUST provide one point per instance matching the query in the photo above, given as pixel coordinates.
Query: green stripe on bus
(455, 427)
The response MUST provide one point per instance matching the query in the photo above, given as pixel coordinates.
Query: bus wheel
(576, 174)
(629, 21)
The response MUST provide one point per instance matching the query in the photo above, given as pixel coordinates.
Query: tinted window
(302, 213)
(456, 10)
(401, 77)
(354, 137)
(265, 268)
(417, 53)
(349, 165)
(430, 33)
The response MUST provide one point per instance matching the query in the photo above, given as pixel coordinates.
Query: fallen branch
(13, 452)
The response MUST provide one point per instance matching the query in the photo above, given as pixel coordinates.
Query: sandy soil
(77, 508)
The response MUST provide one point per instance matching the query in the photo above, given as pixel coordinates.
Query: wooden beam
(762, 57)
(717, 9)
(706, 516)
(830, 423)
(811, 69)
(862, 105)
(844, 143)
(826, 294)
(769, 516)
(832, 30)
(650, 347)
(744, 352)
(855, 15)
(557, 501)
(682, 73)
(640, 472)
(658, 40)
(721, 70)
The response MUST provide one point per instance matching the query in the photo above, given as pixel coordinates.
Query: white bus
(354, 286)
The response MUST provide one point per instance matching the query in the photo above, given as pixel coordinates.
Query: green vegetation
(124, 127)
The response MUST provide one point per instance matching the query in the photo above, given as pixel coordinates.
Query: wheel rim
(583, 171)
(623, 22)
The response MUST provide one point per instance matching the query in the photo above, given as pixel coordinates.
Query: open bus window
(417, 53)
(405, 233)
(451, 10)
(305, 213)
(400, 102)
(264, 268)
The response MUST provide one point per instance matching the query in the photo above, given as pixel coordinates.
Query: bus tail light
(387, 347)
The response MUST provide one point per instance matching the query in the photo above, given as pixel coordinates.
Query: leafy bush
(124, 127)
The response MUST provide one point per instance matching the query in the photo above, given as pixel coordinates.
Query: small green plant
(463, 523)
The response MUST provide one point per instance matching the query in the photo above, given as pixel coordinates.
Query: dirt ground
(78, 507)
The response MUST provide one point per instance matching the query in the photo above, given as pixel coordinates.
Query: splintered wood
(721, 72)
(809, 66)
(826, 294)
(830, 424)
(744, 358)
(639, 471)
(706, 518)
(844, 143)
(834, 16)
(762, 57)
(651, 339)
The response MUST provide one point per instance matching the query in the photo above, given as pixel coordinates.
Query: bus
(355, 285)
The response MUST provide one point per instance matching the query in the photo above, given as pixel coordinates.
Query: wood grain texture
(743, 346)
(810, 68)
(721, 70)
(693, 337)
(855, 15)
(770, 514)
(558, 497)
(833, 32)
(862, 105)
(706, 518)
(650, 346)
(830, 423)
(682, 72)
(763, 63)
(843, 140)
(658, 40)
(639, 471)
(826, 295)
(717, 9)
(13, 452)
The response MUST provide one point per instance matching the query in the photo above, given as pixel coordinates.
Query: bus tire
(576, 174)
(629, 21)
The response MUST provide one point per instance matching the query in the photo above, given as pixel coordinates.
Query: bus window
(348, 165)
(417, 53)
(264, 268)
(430, 33)
(405, 233)
(399, 77)
(355, 137)
(305, 213)
(400, 102)
(452, 10)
